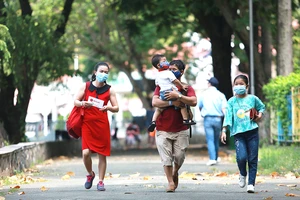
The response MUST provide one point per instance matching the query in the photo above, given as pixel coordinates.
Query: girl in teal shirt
(243, 129)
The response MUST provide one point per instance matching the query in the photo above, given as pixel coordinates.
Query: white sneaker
(219, 160)
(211, 162)
(242, 181)
(250, 189)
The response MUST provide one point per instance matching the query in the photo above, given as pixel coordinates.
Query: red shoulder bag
(74, 122)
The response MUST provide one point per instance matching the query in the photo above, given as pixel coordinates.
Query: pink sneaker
(89, 181)
(100, 186)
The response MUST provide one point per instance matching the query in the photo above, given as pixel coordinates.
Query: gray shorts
(172, 146)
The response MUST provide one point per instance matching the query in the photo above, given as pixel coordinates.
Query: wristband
(81, 103)
(170, 103)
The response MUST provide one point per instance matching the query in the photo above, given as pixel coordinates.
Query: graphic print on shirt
(240, 113)
(243, 113)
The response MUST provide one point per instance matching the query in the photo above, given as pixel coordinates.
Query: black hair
(156, 59)
(179, 63)
(96, 68)
(243, 77)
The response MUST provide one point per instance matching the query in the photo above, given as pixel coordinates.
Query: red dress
(95, 127)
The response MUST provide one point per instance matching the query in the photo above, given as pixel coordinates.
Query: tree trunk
(13, 116)
(221, 53)
(284, 48)
(260, 76)
(220, 34)
(266, 54)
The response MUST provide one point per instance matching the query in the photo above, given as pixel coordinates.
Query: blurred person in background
(212, 104)
(133, 135)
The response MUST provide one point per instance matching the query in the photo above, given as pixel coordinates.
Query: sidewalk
(138, 174)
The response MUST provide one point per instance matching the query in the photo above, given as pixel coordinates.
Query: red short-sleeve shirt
(170, 120)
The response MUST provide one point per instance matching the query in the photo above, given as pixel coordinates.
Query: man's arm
(157, 102)
(188, 100)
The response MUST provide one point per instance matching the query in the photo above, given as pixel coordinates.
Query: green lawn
(280, 159)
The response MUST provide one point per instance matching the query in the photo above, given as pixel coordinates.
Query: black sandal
(188, 122)
(152, 126)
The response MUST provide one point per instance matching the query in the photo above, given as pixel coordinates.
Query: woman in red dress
(96, 129)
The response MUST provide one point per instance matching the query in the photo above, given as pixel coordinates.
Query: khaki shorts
(172, 146)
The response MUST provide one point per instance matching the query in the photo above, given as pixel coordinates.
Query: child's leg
(156, 113)
(187, 116)
(252, 151)
(191, 116)
(184, 113)
(152, 126)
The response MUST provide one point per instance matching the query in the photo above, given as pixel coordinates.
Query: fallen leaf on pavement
(62, 158)
(280, 184)
(44, 189)
(65, 177)
(291, 185)
(274, 174)
(115, 175)
(268, 198)
(259, 180)
(16, 187)
(41, 180)
(290, 175)
(292, 195)
(147, 178)
(221, 174)
(2, 198)
(203, 174)
(187, 175)
(71, 173)
(149, 186)
(48, 162)
(21, 193)
(31, 170)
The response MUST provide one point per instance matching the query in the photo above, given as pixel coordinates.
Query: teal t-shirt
(237, 117)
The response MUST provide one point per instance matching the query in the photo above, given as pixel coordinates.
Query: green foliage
(5, 38)
(61, 123)
(120, 30)
(280, 159)
(39, 55)
(36, 45)
(296, 37)
(276, 92)
(127, 116)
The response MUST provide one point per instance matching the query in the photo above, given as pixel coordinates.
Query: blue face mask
(164, 64)
(239, 89)
(101, 77)
(177, 74)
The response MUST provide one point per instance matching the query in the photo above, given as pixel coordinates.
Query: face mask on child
(164, 64)
(177, 74)
(239, 89)
(101, 77)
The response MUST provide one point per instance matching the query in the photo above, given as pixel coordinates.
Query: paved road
(138, 174)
